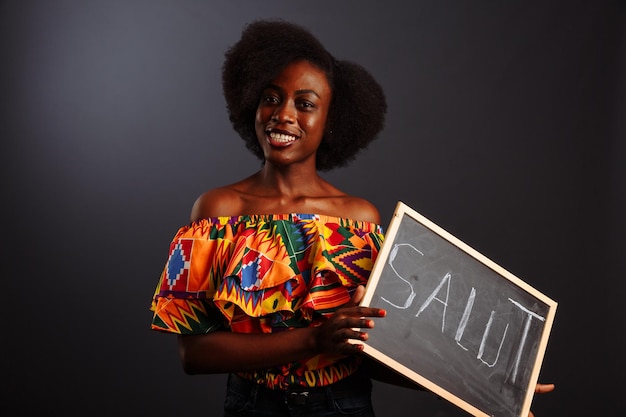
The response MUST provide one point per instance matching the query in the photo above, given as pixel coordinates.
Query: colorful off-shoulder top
(265, 274)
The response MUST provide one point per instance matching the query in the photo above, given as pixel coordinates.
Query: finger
(357, 296)
(359, 322)
(371, 312)
(544, 388)
(352, 348)
(364, 323)
(360, 311)
(355, 335)
(354, 323)
(343, 336)
(351, 308)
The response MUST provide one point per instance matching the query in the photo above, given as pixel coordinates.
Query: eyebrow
(298, 92)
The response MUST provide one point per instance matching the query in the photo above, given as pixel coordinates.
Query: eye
(305, 104)
(269, 98)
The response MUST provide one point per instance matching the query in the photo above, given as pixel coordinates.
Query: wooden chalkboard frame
(394, 361)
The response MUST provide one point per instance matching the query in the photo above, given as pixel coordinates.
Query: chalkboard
(457, 323)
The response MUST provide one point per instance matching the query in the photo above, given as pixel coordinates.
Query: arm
(224, 351)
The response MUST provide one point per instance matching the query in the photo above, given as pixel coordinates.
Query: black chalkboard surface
(457, 323)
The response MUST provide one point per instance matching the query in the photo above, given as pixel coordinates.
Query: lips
(280, 139)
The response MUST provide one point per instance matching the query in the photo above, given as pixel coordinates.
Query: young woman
(265, 281)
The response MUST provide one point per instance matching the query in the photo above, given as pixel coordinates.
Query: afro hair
(357, 111)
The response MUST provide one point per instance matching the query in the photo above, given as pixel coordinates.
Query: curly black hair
(357, 111)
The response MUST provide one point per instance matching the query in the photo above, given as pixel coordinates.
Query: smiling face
(291, 116)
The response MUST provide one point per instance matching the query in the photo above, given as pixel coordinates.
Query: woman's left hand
(541, 389)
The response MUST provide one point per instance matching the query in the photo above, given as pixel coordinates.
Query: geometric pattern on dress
(178, 263)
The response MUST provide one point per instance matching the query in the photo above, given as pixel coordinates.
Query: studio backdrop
(505, 127)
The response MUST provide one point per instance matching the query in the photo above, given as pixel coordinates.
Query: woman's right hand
(336, 335)
(225, 351)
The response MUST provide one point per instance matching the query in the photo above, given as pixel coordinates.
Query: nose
(286, 112)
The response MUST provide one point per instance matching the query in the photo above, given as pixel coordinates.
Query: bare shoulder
(221, 201)
(358, 208)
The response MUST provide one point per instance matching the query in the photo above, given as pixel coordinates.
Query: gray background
(506, 127)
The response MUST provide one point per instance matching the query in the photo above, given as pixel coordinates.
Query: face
(291, 116)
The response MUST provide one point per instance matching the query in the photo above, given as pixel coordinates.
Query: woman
(282, 249)
(265, 281)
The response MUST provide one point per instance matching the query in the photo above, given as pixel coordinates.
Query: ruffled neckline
(363, 225)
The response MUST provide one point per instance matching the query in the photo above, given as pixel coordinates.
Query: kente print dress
(266, 274)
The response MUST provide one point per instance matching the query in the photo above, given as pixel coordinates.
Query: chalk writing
(445, 301)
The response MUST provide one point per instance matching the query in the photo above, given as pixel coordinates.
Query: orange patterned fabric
(266, 273)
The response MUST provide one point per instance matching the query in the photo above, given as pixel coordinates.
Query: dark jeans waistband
(356, 384)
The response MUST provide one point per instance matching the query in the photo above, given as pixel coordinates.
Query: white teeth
(280, 137)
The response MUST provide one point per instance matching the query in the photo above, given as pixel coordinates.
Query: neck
(290, 180)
